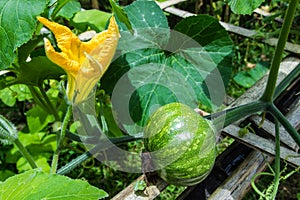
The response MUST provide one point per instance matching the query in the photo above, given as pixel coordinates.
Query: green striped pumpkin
(181, 144)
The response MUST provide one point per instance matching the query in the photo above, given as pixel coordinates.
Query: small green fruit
(181, 143)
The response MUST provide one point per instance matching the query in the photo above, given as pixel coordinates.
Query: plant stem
(49, 104)
(60, 139)
(25, 153)
(286, 82)
(285, 29)
(82, 139)
(285, 123)
(38, 98)
(277, 159)
(99, 147)
(227, 117)
(41, 98)
(261, 194)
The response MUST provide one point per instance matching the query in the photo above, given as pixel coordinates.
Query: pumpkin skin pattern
(181, 143)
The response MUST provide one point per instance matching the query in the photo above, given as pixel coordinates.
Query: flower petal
(97, 61)
(104, 45)
(111, 32)
(84, 62)
(87, 77)
(67, 42)
(71, 87)
(61, 59)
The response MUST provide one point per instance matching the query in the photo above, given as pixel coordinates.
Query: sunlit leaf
(95, 19)
(41, 161)
(38, 145)
(35, 184)
(38, 119)
(244, 6)
(11, 94)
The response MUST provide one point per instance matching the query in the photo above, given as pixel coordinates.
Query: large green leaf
(17, 24)
(214, 39)
(150, 26)
(154, 79)
(35, 184)
(189, 69)
(244, 6)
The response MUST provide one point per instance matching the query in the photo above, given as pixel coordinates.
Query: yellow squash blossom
(84, 62)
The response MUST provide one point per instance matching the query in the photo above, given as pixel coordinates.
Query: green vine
(277, 160)
(286, 124)
(288, 19)
(99, 147)
(229, 116)
(237, 113)
(25, 154)
(269, 193)
(41, 98)
(268, 95)
(9, 135)
(60, 139)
